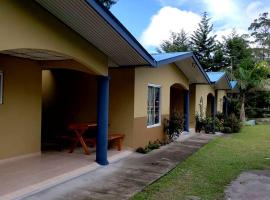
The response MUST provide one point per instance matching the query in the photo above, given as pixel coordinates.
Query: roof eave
(173, 59)
(121, 30)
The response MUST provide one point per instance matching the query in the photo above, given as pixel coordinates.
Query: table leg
(75, 144)
(85, 147)
(119, 145)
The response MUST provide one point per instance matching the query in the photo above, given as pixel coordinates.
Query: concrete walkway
(121, 180)
(250, 185)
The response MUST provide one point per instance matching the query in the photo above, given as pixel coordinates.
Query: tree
(107, 3)
(220, 60)
(261, 31)
(203, 44)
(250, 77)
(236, 48)
(177, 42)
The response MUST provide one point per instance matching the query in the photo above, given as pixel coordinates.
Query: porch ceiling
(191, 70)
(36, 54)
(100, 28)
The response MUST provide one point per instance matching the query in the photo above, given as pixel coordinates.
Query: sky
(152, 21)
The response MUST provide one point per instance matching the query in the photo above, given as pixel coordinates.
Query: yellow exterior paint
(164, 76)
(24, 24)
(202, 90)
(198, 91)
(121, 113)
(220, 95)
(20, 113)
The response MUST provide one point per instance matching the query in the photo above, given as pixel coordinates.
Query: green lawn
(206, 173)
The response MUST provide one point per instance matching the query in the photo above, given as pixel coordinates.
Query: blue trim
(174, 59)
(102, 120)
(212, 106)
(186, 110)
(215, 81)
(201, 68)
(121, 30)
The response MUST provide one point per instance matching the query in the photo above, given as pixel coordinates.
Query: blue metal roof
(233, 84)
(215, 76)
(165, 56)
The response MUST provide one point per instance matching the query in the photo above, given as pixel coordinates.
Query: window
(1, 87)
(153, 106)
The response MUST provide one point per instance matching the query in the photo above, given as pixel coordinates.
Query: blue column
(102, 120)
(186, 110)
(214, 106)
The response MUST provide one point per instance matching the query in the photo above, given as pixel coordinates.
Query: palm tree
(250, 77)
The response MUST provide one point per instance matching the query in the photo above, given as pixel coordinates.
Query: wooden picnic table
(79, 129)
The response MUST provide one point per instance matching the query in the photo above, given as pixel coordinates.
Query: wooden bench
(112, 137)
(118, 138)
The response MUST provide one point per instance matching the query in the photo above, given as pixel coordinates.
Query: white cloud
(226, 16)
(227, 32)
(171, 2)
(166, 20)
(225, 9)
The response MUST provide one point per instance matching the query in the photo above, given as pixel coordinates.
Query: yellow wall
(220, 95)
(202, 91)
(164, 76)
(20, 113)
(24, 24)
(121, 113)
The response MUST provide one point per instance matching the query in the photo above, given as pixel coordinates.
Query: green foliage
(150, 147)
(236, 48)
(260, 30)
(232, 124)
(258, 104)
(203, 44)
(174, 126)
(107, 3)
(220, 60)
(208, 125)
(219, 122)
(250, 75)
(177, 42)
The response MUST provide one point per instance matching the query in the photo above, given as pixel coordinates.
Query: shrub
(233, 123)
(153, 145)
(150, 147)
(174, 126)
(199, 123)
(208, 125)
(227, 129)
(219, 124)
(220, 116)
(141, 150)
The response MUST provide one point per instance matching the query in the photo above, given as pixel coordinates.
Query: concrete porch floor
(122, 179)
(36, 173)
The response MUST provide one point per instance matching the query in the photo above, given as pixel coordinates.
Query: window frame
(154, 86)
(1, 87)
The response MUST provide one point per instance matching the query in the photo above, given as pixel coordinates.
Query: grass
(206, 173)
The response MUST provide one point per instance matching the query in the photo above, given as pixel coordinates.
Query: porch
(35, 173)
